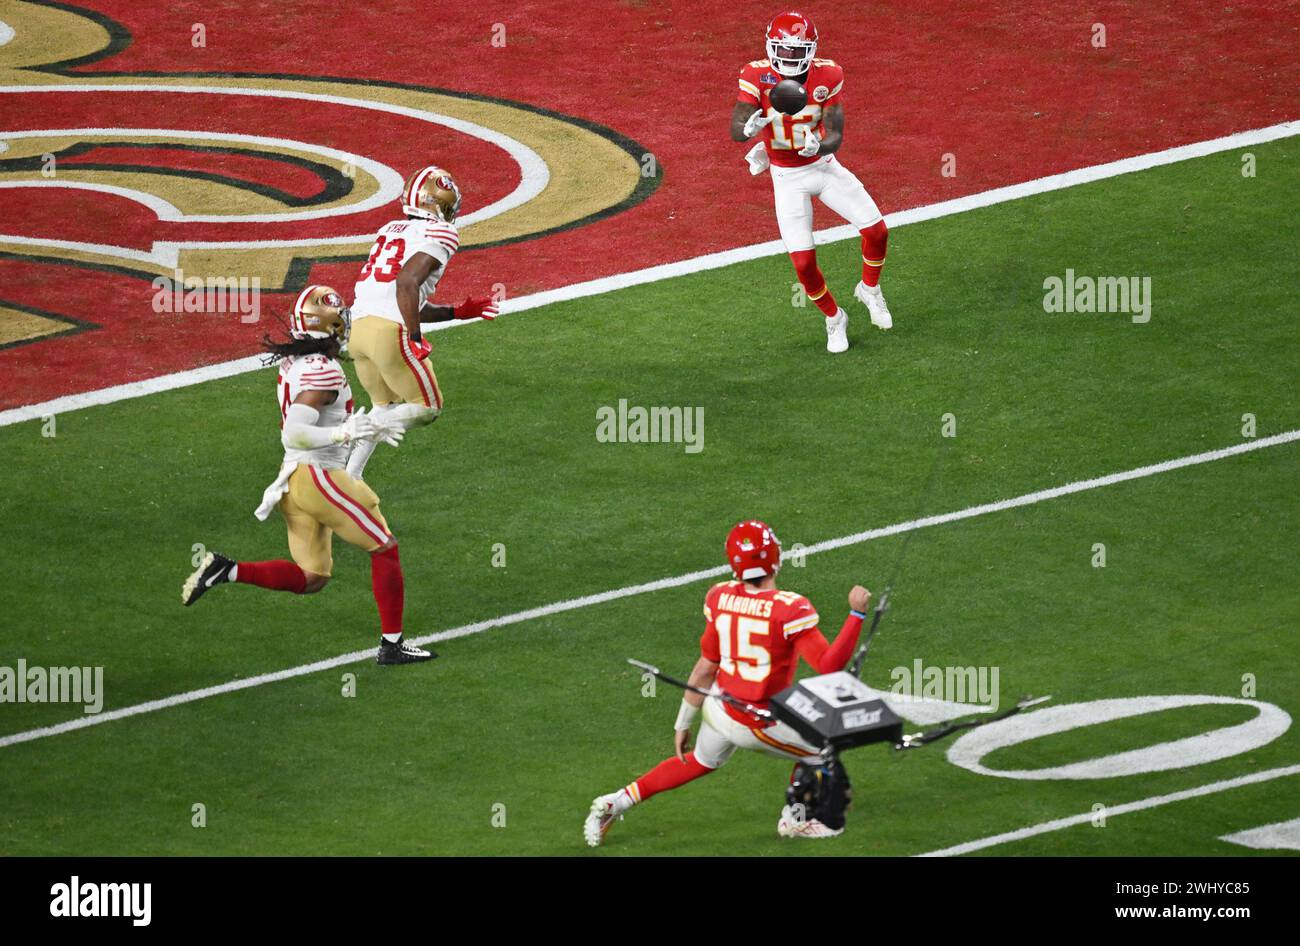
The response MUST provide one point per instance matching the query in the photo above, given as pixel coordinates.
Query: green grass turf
(538, 717)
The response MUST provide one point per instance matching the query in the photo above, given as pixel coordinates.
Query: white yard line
(1155, 801)
(573, 604)
(698, 264)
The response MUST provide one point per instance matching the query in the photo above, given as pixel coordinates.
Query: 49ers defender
(408, 258)
(313, 492)
(799, 151)
(754, 635)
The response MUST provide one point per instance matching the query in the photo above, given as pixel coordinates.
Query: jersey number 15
(747, 659)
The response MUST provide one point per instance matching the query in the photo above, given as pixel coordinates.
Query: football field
(1178, 582)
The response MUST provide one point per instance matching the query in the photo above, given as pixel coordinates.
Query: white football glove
(756, 121)
(361, 426)
(758, 159)
(812, 144)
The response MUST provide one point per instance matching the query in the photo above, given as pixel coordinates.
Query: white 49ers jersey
(395, 244)
(317, 373)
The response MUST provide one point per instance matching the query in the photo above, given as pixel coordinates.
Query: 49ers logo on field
(258, 176)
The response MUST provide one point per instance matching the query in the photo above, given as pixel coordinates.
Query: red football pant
(670, 773)
(874, 239)
(278, 575)
(813, 282)
(390, 589)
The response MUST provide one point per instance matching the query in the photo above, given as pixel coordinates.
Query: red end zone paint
(1014, 93)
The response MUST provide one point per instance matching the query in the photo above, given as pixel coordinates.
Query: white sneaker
(791, 825)
(874, 299)
(837, 332)
(605, 810)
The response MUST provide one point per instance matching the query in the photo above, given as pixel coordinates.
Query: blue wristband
(858, 614)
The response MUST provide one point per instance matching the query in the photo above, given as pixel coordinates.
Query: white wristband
(685, 715)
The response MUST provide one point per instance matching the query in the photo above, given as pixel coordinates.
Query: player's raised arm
(826, 657)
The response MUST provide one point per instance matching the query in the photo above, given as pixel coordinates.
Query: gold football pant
(388, 367)
(322, 502)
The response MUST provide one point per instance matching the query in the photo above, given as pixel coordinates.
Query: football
(789, 97)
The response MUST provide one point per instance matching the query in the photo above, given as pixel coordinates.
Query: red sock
(389, 587)
(669, 773)
(813, 282)
(278, 575)
(874, 239)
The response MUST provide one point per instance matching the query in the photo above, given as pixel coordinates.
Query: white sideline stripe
(573, 604)
(1155, 801)
(696, 264)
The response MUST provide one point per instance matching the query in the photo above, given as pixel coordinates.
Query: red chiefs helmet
(791, 42)
(753, 550)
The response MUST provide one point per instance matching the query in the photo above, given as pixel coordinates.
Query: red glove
(421, 347)
(482, 308)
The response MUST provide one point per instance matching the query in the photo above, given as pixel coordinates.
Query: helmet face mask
(320, 312)
(791, 43)
(431, 193)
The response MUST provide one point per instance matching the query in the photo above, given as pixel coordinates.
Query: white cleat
(604, 812)
(837, 332)
(874, 299)
(792, 825)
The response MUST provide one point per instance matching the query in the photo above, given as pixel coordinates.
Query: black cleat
(402, 653)
(213, 570)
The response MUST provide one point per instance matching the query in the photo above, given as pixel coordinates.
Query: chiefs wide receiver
(799, 150)
(754, 635)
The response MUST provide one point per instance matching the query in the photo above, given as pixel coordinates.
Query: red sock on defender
(278, 575)
(813, 282)
(874, 239)
(670, 773)
(390, 591)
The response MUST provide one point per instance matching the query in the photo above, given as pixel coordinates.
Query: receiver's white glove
(756, 121)
(812, 144)
(758, 159)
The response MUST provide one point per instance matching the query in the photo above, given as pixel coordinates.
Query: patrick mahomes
(799, 152)
(754, 635)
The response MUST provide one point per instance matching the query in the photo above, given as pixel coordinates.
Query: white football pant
(838, 188)
(720, 735)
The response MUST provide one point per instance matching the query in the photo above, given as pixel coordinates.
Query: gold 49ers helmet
(320, 313)
(431, 193)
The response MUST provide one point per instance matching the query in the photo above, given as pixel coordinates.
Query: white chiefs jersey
(317, 373)
(395, 243)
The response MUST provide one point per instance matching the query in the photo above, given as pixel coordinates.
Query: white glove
(757, 158)
(812, 144)
(756, 121)
(361, 426)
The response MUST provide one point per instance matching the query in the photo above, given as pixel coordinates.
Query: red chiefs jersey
(784, 136)
(751, 635)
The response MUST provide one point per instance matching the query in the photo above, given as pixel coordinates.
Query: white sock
(362, 449)
(411, 415)
(392, 638)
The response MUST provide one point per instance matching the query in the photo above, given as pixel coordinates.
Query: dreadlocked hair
(294, 347)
